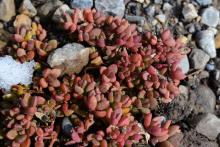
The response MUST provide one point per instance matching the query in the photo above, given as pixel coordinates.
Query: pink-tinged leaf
(147, 120)
(91, 103)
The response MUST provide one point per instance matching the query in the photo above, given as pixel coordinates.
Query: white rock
(189, 12)
(115, 7)
(71, 58)
(167, 7)
(13, 72)
(205, 40)
(161, 18)
(27, 8)
(7, 10)
(209, 126)
(210, 17)
(184, 64)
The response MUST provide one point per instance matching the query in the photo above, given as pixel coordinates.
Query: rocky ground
(197, 109)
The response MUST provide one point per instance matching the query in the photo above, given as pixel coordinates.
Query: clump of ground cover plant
(110, 102)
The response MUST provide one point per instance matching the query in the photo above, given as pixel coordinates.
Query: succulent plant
(131, 73)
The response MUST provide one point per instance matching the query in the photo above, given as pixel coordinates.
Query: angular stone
(198, 59)
(27, 8)
(205, 40)
(113, 7)
(71, 58)
(209, 126)
(7, 10)
(47, 9)
(58, 14)
(81, 4)
(210, 17)
(161, 18)
(189, 12)
(205, 100)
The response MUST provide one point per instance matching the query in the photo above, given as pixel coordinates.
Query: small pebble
(210, 66)
(137, 19)
(161, 18)
(66, 126)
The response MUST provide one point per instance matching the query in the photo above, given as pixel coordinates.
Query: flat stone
(7, 10)
(204, 2)
(209, 126)
(27, 8)
(210, 17)
(81, 4)
(136, 19)
(71, 58)
(58, 14)
(112, 7)
(47, 9)
(22, 20)
(205, 40)
(189, 12)
(198, 59)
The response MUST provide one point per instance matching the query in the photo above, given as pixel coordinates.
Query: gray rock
(115, 7)
(205, 40)
(71, 58)
(57, 16)
(205, 100)
(66, 126)
(184, 64)
(81, 4)
(198, 59)
(158, 1)
(209, 125)
(194, 139)
(150, 10)
(204, 2)
(7, 10)
(136, 19)
(47, 9)
(182, 106)
(210, 17)
(27, 8)
(189, 12)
